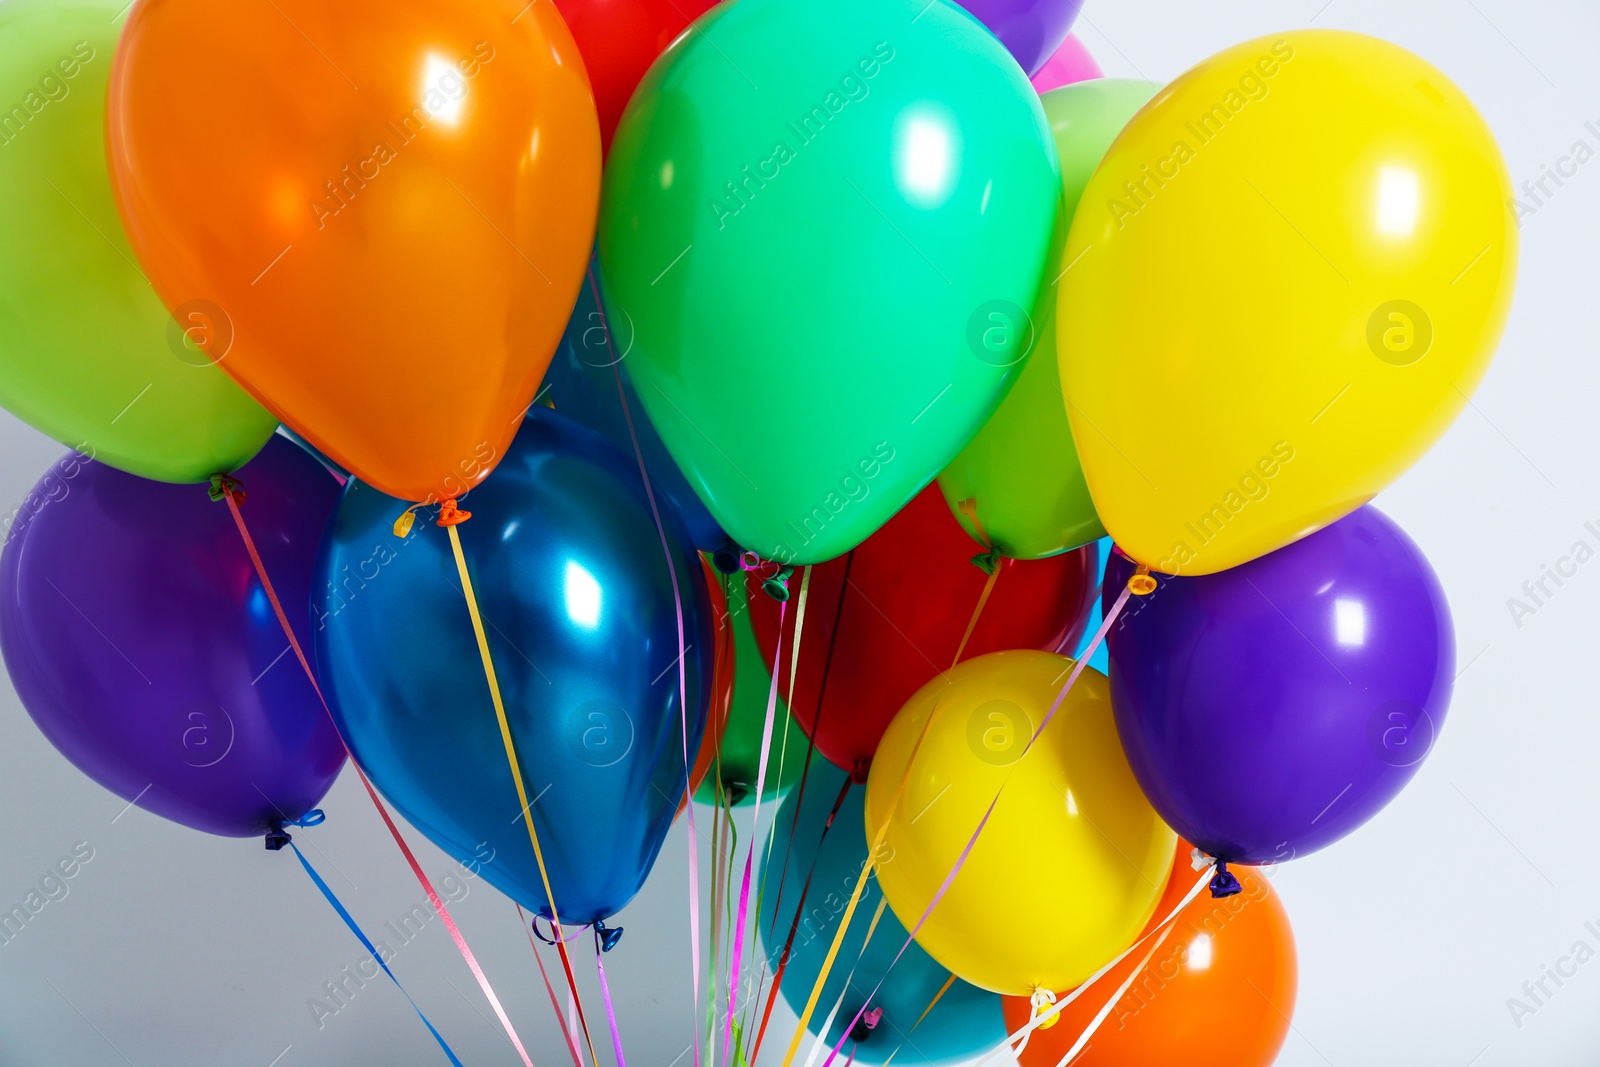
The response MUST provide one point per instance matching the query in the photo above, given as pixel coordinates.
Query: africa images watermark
(441, 102)
(55, 85)
(1553, 177)
(53, 888)
(854, 487)
(1537, 992)
(1142, 189)
(340, 991)
(853, 86)
(1538, 592)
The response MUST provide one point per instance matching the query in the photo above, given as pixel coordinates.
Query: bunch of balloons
(766, 379)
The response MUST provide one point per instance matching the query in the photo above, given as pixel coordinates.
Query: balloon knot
(606, 939)
(736, 792)
(987, 562)
(863, 767)
(1224, 883)
(1142, 583)
(450, 515)
(777, 587)
(223, 487)
(726, 558)
(278, 836)
(1043, 1001)
(865, 1024)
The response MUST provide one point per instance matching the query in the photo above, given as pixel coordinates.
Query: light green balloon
(1021, 471)
(88, 354)
(747, 720)
(810, 212)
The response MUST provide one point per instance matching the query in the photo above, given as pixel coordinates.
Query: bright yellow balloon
(1071, 864)
(1285, 279)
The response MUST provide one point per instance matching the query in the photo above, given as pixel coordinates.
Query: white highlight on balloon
(583, 597)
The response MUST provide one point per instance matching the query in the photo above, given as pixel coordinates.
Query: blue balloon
(582, 384)
(966, 1020)
(577, 601)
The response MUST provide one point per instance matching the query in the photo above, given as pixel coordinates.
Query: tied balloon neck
(278, 835)
(735, 792)
(863, 767)
(777, 586)
(1043, 1004)
(606, 938)
(1224, 883)
(987, 562)
(224, 487)
(449, 515)
(727, 558)
(866, 1024)
(1142, 583)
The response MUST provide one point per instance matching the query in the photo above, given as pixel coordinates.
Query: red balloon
(618, 40)
(912, 589)
(721, 681)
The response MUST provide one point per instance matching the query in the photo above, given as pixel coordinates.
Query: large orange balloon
(1218, 992)
(378, 212)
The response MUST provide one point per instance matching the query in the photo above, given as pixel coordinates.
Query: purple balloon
(1031, 30)
(144, 647)
(1270, 709)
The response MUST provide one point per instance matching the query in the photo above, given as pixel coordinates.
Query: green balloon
(1021, 471)
(812, 214)
(88, 354)
(747, 719)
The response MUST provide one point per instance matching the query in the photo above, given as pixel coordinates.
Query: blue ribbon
(367, 944)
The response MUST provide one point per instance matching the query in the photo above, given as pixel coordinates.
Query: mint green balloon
(822, 222)
(88, 354)
(1021, 472)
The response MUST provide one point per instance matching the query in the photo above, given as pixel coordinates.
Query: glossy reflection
(1219, 991)
(144, 647)
(1290, 273)
(846, 231)
(394, 215)
(1021, 471)
(1271, 709)
(578, 604)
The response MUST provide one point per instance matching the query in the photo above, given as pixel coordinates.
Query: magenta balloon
(1070, 64)
(1031, 30)
(145, 649)
(1271, 709)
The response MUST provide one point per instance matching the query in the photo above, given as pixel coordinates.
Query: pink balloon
(1071, 63)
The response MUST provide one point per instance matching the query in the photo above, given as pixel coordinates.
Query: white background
(176, 949)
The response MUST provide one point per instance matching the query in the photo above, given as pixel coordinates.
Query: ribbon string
(367, 944)
(683, 689)
(231, 491)
(515, 765)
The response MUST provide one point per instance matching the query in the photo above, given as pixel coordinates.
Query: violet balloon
(1031, 30)
(144, 647)
(1271, 709)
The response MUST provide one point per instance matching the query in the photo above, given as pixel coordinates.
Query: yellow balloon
(1282, 284)
(1072, 862)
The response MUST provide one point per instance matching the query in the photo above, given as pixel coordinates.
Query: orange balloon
(1218, 992)
(721, 682)
(382, 210)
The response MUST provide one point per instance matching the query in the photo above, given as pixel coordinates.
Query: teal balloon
(965, 1022)
(825, 222)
